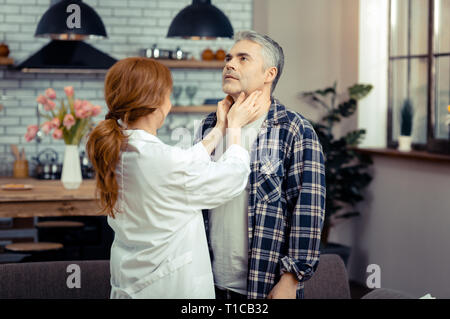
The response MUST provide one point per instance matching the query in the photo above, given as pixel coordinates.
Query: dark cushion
(48, 280)
(330, 280)
(385, 293)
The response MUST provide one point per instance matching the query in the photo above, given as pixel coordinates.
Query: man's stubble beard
(231, 92)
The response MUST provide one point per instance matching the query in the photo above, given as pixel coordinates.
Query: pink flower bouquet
(69, 122)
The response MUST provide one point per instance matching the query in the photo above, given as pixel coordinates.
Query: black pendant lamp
(200, 20)
(55, 23)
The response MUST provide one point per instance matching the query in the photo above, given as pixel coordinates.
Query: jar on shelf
(208, 55)
(4, 50)
(220, 55)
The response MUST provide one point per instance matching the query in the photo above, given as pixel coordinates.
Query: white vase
(71, 172)
(404, 143)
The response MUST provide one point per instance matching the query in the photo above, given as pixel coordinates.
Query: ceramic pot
(404, 143)
(71, 172)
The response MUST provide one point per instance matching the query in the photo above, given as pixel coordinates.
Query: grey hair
(272, 52)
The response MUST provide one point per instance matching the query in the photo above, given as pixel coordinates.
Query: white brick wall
(131, 25)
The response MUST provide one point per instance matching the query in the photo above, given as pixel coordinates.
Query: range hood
(67, 52)
(59, 54)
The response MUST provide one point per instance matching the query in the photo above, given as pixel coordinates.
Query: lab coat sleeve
(209, 184)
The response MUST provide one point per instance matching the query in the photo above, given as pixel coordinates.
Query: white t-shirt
(228, 226)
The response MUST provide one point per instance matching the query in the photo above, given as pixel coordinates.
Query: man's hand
(244, 110)
(286, 288)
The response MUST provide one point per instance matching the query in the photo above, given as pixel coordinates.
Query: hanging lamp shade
(55, 23)
(200, 20)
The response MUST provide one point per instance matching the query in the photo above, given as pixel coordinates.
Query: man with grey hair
(265, 242)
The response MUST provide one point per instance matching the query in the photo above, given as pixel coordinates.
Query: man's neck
(263, 104)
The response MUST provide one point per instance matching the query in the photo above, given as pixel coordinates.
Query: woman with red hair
(153, 193)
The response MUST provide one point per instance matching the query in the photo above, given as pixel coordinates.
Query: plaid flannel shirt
(286, 204)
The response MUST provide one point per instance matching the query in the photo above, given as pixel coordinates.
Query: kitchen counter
(47, 198)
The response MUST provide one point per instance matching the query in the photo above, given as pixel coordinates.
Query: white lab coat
(160, 248)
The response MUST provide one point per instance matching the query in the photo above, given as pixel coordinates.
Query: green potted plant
(406, 116)
(346, 170)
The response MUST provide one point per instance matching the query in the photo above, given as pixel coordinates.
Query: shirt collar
(141, 135)
(277, 113)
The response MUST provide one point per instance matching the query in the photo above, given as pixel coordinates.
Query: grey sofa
(48, 280)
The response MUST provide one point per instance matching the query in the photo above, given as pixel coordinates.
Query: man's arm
(306, 200)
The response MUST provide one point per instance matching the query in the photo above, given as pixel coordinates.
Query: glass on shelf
(190, 92)
(176, 93)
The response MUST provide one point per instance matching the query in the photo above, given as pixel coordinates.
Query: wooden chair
(63, 231)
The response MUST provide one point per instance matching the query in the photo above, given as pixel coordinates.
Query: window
(419, 71)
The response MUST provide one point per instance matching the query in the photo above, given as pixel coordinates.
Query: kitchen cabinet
(47, 198)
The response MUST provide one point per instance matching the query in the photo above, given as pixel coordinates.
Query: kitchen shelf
(192, 64)
(194, 109)
(6, 61)
(65, 71)
(172, 64)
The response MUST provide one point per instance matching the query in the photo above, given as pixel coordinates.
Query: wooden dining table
(47, 198)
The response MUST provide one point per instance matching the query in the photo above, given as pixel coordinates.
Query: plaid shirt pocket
(269, 180)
